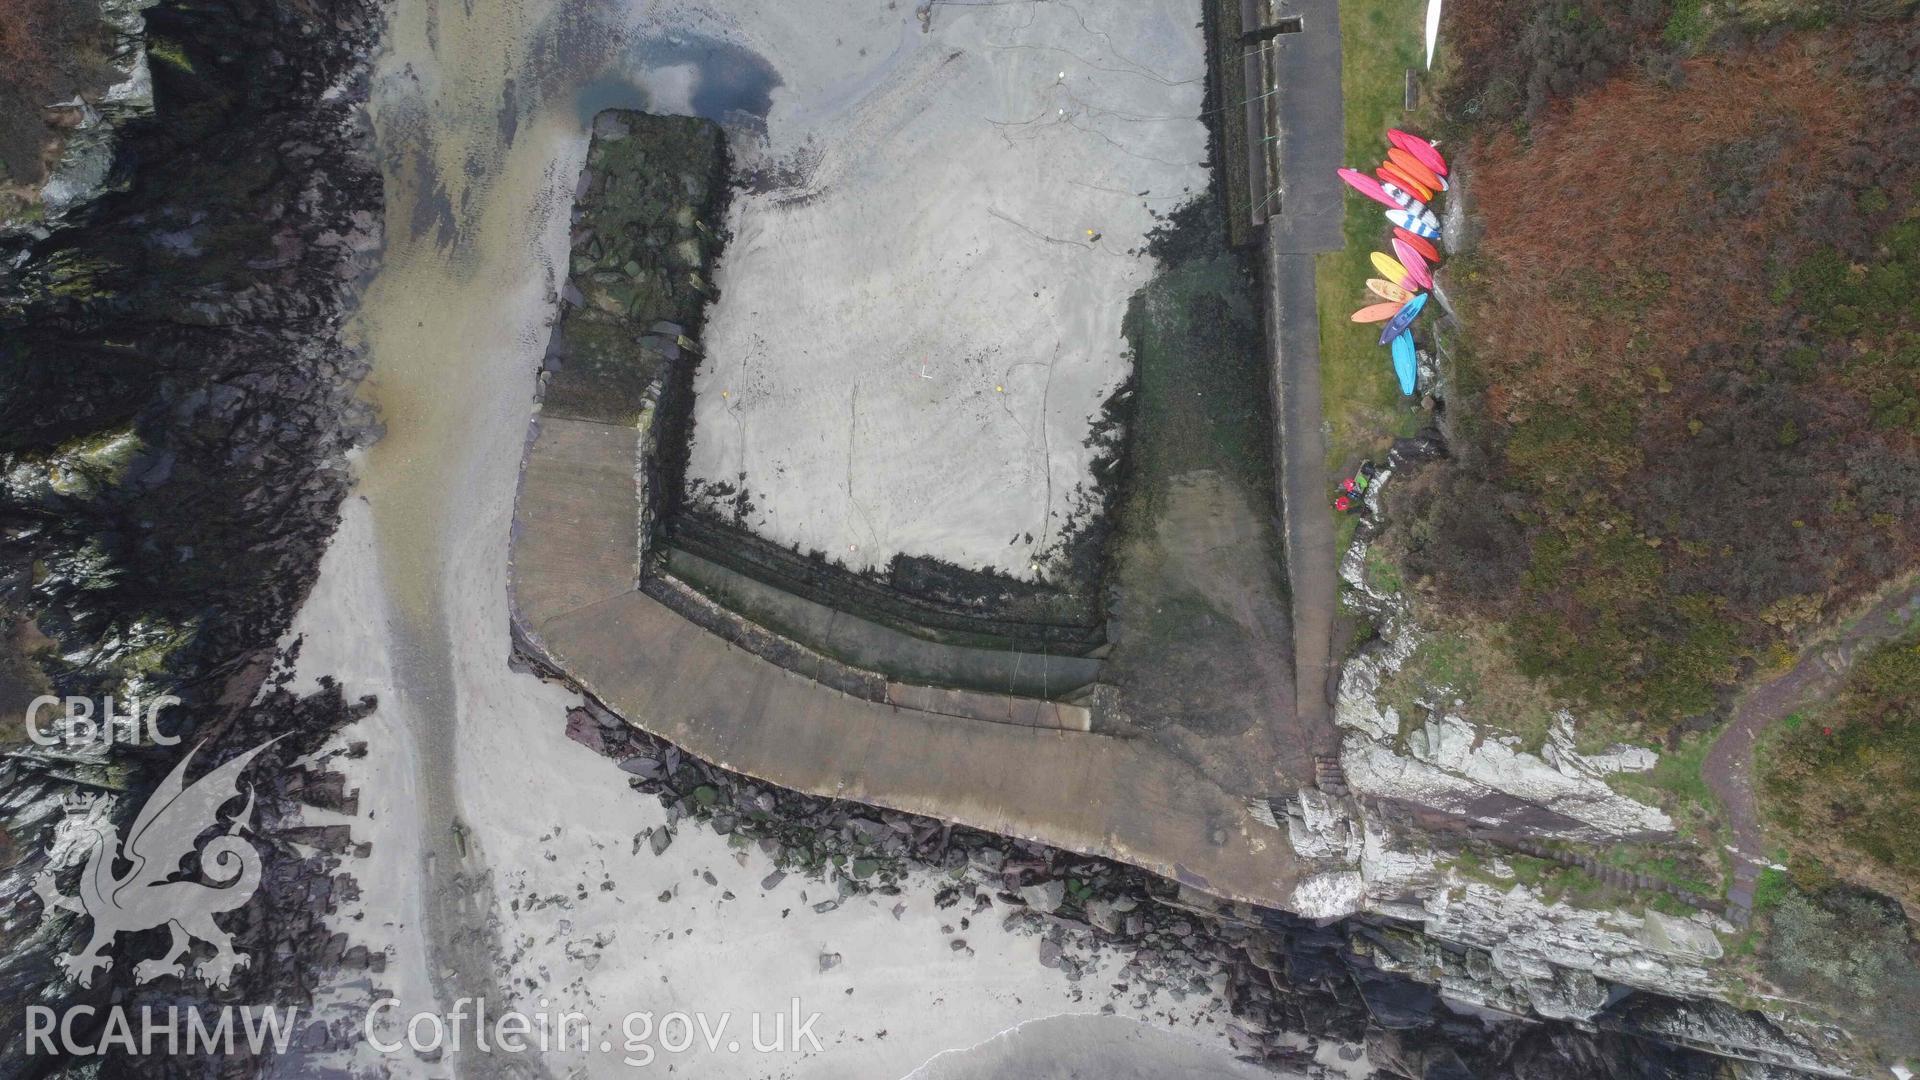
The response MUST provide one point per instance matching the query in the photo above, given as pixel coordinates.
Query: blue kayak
(1404, 364)
(1403, 318)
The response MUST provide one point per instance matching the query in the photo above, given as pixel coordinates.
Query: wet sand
(920, 306)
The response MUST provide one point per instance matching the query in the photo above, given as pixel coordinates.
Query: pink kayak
(1421, 149)
(1416, 266)
(1368, 186)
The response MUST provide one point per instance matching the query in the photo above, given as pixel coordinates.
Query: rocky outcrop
(1530, 943)
(178, 405)
(1445, 761)
(1296, 991)
(1462, 915)
(86, 129)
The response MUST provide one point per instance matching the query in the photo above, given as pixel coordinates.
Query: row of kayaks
(1412, 174)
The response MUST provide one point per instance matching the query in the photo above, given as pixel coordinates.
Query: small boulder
(1046, 897)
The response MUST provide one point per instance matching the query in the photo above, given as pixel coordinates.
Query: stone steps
(1328, 775)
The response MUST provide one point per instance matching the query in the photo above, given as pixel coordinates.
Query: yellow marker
(999, 389)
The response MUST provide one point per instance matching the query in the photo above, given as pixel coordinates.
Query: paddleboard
(1433, 29)
(1409, 311)
(1387, 290)
(1419, 148)
(1421, 224)
(1416, 266)
(1406, 366)
(1368, 186)
(1403, 200)
(1418, 243)
(1387, 174)
(1377, 313)
(1415, 170)
(1391, 270)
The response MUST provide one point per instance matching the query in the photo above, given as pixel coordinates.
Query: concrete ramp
(1306, 120)
(574, 601)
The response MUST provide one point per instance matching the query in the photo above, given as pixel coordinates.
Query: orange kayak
(1418, 243)
(1387, 290)
(1387, 173)
(1411, 165)
(1377, 313)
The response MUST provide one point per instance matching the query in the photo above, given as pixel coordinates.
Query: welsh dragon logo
(147, 896)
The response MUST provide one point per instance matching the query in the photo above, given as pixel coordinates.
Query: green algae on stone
(639, 258)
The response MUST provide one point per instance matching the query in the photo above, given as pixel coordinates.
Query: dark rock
(1050, 954)
(1045, 897)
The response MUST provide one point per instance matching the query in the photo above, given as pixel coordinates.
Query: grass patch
(1561, 884)
(1379, 41)
(1382, 573)
(1687, 27)
(1464, 670)
(1677, 775)
(1663, 864)
(1677, 783)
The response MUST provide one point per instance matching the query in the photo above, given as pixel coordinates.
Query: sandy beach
(505, 860)
(919, 313)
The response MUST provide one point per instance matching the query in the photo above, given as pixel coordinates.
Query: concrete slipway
(916, 327)
(574, 597)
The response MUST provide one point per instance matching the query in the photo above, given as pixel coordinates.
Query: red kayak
(1421, 149)
(1418, 243)
(1416, 266)
(1368, 186)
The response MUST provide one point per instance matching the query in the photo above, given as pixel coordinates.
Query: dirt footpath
(1729, 764)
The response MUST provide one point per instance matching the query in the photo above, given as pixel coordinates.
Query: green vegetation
(1664, 478)
(1850, 954)
(1379, 42)
(639, 257)
(1459, 667)
(1558, 883)
(169, 52)
(1381, 573)
(1844, 787)
(1676, 782)
(1666, 864)
(1687, 26)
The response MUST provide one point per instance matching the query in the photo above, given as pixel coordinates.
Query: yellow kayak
(1387, 290)
(1391, 269)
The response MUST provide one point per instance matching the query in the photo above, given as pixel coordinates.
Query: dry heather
(1642, 222)
(1687, 406)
